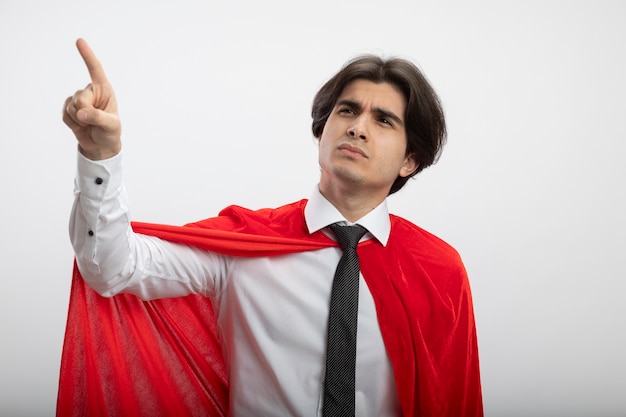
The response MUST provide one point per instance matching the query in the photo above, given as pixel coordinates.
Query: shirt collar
(320, 213)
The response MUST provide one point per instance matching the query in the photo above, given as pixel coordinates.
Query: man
(378, 123)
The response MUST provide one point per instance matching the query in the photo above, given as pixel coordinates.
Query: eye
(385, 121)
(345, 110)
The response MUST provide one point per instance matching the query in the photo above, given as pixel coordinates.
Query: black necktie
(339, 391)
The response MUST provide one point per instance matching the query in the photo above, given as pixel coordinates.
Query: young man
(378, 123)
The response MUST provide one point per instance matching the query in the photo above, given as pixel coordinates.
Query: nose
(357, 133)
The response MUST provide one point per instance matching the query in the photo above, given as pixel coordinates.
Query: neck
(351, 203)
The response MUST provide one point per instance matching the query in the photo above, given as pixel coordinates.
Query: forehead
(370, 94)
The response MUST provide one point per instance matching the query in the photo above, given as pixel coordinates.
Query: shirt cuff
(96, 179)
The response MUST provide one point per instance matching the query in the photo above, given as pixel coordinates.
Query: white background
(215, 100)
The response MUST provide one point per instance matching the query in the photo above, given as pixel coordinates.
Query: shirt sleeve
(113, 259)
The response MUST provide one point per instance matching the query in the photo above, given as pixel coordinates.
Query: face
(363, 144)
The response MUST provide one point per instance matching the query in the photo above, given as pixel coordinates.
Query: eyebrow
(383, 112)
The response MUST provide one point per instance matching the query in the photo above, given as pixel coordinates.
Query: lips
(352, 150)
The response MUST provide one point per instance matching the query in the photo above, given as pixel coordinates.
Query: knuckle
(80, 101)
(82, 98)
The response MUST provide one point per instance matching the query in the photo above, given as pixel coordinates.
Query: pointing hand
(91, 113)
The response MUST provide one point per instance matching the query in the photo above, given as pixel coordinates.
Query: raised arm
(91, 113)
(111, 258)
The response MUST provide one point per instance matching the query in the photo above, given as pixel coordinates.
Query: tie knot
(348, 236)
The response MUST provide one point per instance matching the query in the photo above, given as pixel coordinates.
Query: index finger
(96, 72)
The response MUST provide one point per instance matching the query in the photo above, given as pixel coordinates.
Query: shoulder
(265, 214)
(424, 261)
(420, 242)
(286, 220)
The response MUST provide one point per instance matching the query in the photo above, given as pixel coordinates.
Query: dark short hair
(424, 119)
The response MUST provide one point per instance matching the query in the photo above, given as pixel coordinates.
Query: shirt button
(99, 180)
(90, 233)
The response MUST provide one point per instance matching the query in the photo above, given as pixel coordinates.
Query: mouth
(352, 150)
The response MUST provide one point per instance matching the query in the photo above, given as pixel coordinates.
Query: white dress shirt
(272, 312)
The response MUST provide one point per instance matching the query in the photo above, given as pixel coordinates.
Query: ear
(409, 166)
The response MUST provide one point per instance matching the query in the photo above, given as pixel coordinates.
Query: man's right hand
(91, 113)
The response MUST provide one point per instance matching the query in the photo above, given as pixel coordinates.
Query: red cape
(123, 356)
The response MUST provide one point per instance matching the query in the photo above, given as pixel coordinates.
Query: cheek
(326, 140)
(334, 127)
(322, 149)
(393, 160)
